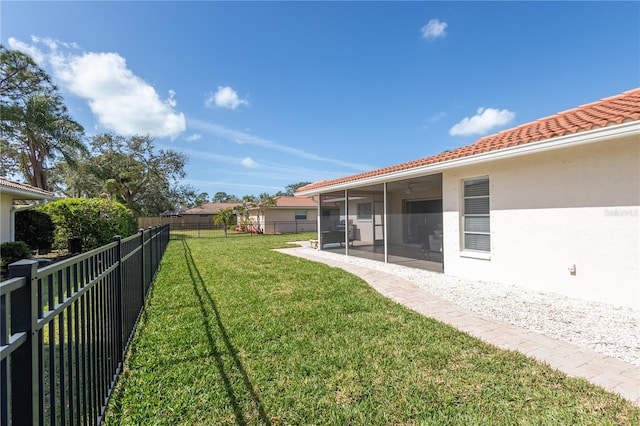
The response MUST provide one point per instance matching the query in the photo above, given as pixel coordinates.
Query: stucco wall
(290, 214)
(549, 211)
(363, 227)
(287, 220)
(6, 202)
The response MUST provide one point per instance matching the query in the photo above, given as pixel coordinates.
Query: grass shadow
(208, 307)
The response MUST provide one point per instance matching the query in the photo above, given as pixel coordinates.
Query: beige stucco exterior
(6, 219)
(564, 215)
(276, 220)
(553, 211)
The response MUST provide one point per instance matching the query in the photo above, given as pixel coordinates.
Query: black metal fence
(64, 329)
(207, 230)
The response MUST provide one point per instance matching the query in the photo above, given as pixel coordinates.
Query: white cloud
(225, 97)
(121, 101)
(248, 162)
(54, 44)
(437, 117)
(434, 29)
(242, 138)
(194, 137)
(285, 172)
(30, 50)
(482, 122)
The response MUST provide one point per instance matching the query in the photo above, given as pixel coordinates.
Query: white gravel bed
(607, 329)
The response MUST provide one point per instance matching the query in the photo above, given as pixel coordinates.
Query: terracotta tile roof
(209, 208)
(618, 109)
(286, 201)
(24, 189)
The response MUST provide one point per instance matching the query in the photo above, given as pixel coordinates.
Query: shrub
(36, 229)
(94, 220)
(12, 252)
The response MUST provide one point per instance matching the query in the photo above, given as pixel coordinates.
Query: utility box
(75, 245)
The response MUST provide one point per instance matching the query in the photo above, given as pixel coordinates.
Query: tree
(291, 189)
(96, 221)
(223, 197)
(224, 217)
(250, 202)
(44, 132)
(36, 229)
(20, 76)
(183, 196)
(76, 181)
(132, 172)
(202, 198)
(263, 203)
(36, 128)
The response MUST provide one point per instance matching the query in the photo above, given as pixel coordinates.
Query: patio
(412, 256)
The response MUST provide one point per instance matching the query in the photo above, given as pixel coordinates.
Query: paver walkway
(610, 373)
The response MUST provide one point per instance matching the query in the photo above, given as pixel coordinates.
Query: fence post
(142, 262)
(151, 241)
(25, 399)
(119, 307)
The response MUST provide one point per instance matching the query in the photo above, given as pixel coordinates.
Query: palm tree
(265, 201)
(44, 131)
(224, 217)
(35, 127)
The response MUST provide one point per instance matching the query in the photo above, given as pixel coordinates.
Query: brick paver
(612, 374)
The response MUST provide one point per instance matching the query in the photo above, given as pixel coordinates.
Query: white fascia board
(20, 194)
(575, 139)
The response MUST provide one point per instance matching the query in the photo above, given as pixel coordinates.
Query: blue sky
(260, 95)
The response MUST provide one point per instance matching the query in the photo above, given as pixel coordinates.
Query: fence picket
(70, 325)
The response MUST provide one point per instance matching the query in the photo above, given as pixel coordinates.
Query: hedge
(94, 220)
(35, 228)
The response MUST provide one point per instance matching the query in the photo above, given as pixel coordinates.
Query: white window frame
(465, 226)
(297, 215)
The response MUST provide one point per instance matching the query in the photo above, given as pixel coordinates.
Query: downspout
(385, 224)
(346, 222)
(313, 197)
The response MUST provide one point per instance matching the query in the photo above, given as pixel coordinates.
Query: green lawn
(235, 333)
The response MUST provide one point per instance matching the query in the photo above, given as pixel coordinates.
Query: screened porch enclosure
(396, 222)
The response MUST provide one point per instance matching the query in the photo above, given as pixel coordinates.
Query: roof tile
(209, 208)
(288, 201)
(24, 187)
(613, 110)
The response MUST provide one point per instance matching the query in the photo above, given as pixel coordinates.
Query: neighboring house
(13, 197)
(552, 206)
(208, 209)
(204, 213)
(198, 217)
(289, 214)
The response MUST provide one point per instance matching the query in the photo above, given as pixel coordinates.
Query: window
(301, 215)
(475, 216)
(364, 211)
